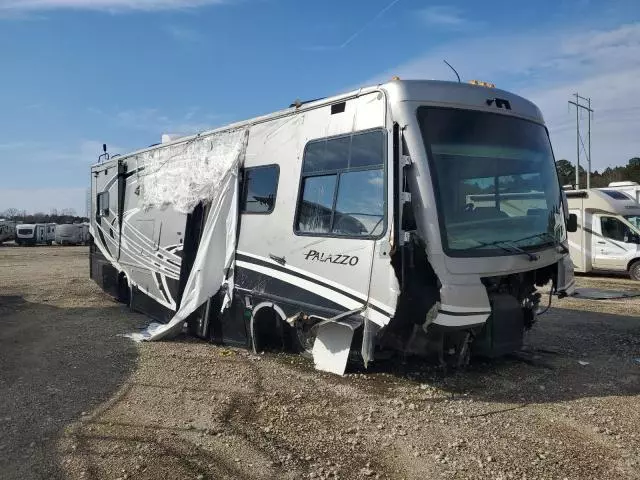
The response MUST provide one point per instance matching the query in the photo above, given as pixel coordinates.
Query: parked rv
(608, 235)
(35, 234)
(354, 227)
(72, 234)
(7, 230)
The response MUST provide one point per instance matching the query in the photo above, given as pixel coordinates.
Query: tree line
(628, 172)
(67, 215)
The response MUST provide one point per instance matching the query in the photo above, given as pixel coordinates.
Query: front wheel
(634, 270)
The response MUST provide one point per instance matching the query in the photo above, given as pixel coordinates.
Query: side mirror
(572, 223)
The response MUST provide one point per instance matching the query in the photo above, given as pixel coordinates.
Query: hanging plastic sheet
(214, 263)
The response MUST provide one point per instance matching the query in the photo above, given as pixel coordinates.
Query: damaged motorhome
(343, 224)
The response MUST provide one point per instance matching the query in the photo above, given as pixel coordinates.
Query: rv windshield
(495, 181)
(634, 220)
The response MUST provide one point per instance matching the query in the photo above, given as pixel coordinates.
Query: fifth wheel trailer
(344, 225)
(35, 234)
(608, 234)
(72, 234)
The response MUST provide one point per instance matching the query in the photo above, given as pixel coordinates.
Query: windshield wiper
(510, 248)
(547, 236)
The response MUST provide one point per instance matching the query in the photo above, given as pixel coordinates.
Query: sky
(79, 73)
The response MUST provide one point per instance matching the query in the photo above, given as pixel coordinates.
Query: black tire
(634, 270)
(302, 338)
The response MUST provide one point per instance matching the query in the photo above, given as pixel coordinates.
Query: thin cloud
(184, 34)
(154, 121)
(104, 5)
(443, 16)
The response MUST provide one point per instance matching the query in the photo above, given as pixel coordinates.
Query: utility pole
(579, 104)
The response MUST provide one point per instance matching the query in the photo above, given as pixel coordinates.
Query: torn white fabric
(187, 173)
(214, 261)
(204, 169)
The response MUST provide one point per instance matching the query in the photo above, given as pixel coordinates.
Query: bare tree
(10, 213)
(54, 212)
(70, 212)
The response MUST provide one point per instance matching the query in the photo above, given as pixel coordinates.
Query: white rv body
(7, 230)
(608, 235)
(72, 234)
(352, 212)
(35, 234)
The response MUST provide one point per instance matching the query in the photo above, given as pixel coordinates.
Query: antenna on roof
(454, 70)
(105, 155)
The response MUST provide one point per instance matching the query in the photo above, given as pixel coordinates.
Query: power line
(579, 103)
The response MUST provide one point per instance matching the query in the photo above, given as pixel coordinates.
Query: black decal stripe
(462, 314)
(161, 286)
(259, 284)
(290, 306)
(103, 241)
(282, 269)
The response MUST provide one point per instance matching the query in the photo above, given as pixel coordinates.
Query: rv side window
(342, 187)
(260, 189)
(616, 230)
(103, 204)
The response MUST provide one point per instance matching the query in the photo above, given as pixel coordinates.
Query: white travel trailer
(7, 230)
(343, 224)
(72, 234)
(632, 189)
(35, 234)
(608, 235)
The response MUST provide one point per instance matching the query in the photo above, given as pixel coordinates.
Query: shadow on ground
(568, 355)
(55, 364)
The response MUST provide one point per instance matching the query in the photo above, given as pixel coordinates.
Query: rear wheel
(634, 270)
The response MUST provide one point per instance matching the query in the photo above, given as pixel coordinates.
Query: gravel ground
(567, 406)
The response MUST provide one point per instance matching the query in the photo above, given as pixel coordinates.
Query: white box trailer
(36, 234)
(342, 223)
(72, 234)
(608, 234)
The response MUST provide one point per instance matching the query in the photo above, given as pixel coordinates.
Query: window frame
(338, 173)
(244, 187)
(99, 211)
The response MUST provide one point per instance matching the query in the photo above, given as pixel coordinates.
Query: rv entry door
(40, 234)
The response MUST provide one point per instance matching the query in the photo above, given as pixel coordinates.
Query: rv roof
(434, 92)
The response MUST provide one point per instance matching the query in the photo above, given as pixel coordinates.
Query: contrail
(367, 25)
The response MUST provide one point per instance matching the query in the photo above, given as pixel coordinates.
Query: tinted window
(367, 150)
(616, 195)
(317, 203)
(360, 203)
(327, 155)
(615, 230)
(495, 181)
(342, 190)
(260, 189)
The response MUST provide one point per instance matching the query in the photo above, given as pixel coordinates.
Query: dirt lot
(78, 401)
